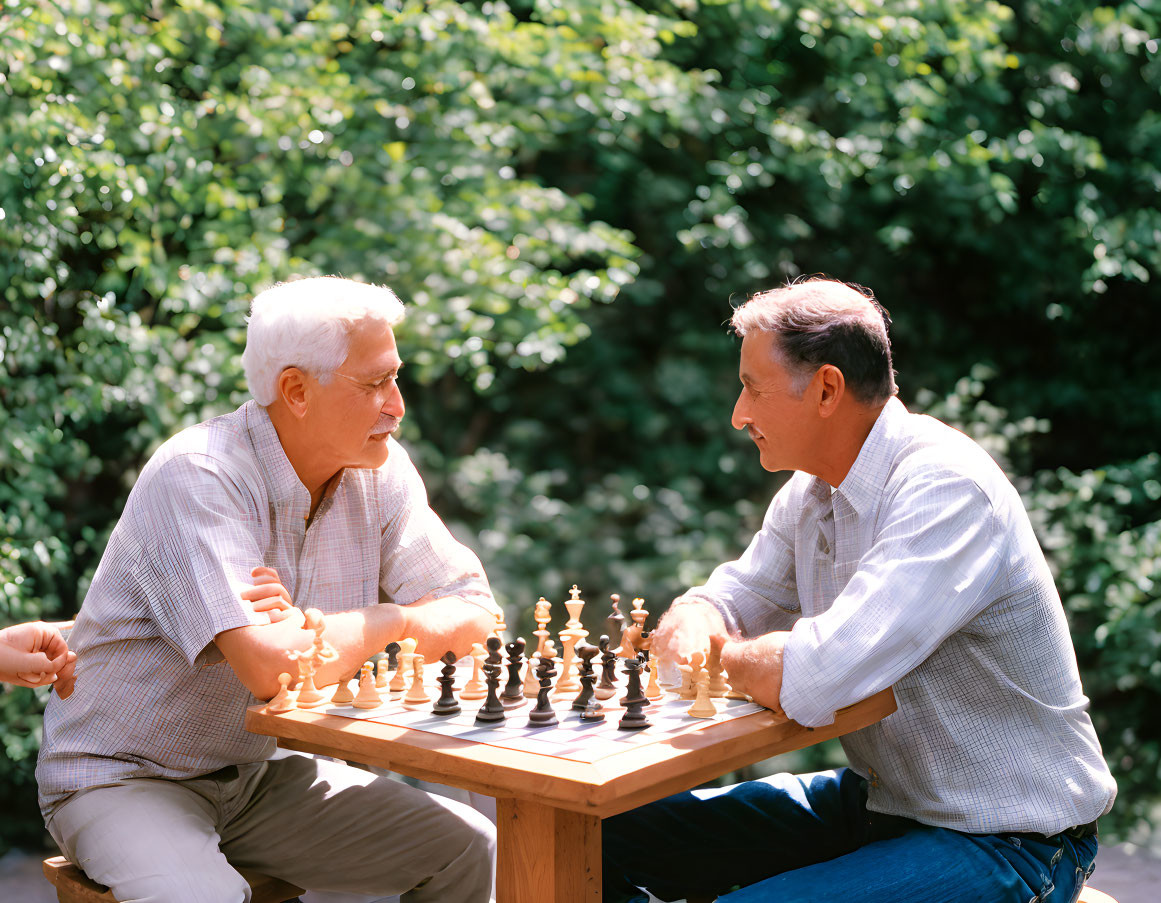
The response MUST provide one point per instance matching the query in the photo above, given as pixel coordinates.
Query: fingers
(266, 591)
(286, 614)
(263, 571)
(66, 678)
(53, 644)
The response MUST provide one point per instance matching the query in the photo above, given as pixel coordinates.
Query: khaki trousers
(320, 824)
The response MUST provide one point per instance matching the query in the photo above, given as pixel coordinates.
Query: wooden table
(549, 809)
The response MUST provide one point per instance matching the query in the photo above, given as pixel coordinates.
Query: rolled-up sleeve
(931, 568)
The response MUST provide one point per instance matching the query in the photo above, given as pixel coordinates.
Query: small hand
(34, 654)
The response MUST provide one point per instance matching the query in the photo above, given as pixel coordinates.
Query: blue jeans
(811, 838)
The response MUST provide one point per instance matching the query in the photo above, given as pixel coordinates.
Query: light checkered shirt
(154, 697)
(921, 572)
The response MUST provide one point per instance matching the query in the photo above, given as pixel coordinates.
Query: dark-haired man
(897, 555)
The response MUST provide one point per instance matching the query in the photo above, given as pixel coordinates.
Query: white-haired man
(299, 499)
(896, 555)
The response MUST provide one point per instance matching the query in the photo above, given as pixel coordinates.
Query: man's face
(353, 414)
(780, 423)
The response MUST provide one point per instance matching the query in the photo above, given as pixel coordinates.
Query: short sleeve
(419, 558)
(201, 537)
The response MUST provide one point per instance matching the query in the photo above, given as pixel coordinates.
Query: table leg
(546, 855)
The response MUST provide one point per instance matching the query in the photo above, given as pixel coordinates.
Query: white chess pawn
(476, 688)
(368, 697)
(343, 694)
(399, 679)
(282, 701)
(416, 693)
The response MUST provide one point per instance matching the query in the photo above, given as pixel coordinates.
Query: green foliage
(512, 170)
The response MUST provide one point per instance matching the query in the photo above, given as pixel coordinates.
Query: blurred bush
(568, 196)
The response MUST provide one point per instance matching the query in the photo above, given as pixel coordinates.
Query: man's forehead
(374, 346)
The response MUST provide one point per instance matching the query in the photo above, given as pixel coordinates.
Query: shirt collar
(282, 483)
(864, 482)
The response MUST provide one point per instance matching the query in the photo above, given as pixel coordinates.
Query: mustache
(385, 424)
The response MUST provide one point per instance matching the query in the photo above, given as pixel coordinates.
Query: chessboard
(570, 738)
(571, 717)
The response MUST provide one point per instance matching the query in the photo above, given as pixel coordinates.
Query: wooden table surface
(549, 809)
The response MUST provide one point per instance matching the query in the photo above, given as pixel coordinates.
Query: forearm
(258, 654)
(446, 624)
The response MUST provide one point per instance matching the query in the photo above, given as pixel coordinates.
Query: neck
(845, 433)
(300, 452)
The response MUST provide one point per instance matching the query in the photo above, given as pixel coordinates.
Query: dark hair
(822, 321)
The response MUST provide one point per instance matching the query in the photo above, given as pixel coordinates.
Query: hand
(269, 595)
(685, 629)
(35, 654)
(755, 666)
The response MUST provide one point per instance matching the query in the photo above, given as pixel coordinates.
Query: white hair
(307, 324)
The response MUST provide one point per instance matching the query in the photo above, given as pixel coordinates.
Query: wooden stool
(74, 886)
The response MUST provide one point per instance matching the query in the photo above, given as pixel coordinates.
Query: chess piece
(686, 690)
(567, 683)
(501, 625)
(513, 694)
(282, 701)
(543, 715)
(416, 693)
(391, 650)
(398, 681)
(310, 660)
(634, 719)
(615, 622)
(309, 696)
(574, 606)
(607, 688)
(732, 693)
(492, 710)
(531, 684)
(632, 633)
(586, 651)
(717, 678)
(653, 690)
(380, 673)
(703, 706)
(541, 617)
(368, 696)
(343, 694)
(644, 642)
(475, 688)
(447, 704)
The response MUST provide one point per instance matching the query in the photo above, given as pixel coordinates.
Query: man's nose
(741, 418)
(393, 403)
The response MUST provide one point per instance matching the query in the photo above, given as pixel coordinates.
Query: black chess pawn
(392, 651)
(608, 685)
(492, 709)
(585, 652)
(634, 719)
(543, 715)
(447, 704)
(513, 694)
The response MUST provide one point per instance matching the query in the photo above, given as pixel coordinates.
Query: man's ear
(832, 386)
(292, 391)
